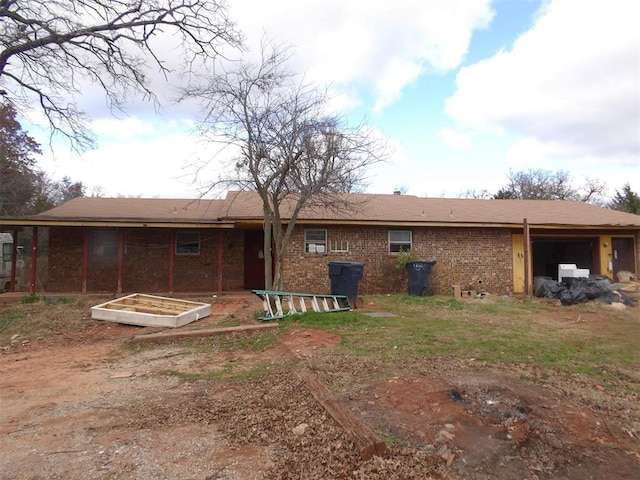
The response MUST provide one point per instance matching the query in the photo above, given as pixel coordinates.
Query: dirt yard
(88, 405)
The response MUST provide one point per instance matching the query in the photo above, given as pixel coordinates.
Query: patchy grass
(43, 316)
(507, 331)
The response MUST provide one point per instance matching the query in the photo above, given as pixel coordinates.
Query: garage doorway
(547, 253)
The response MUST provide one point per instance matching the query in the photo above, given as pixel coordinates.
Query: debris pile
(572, 291)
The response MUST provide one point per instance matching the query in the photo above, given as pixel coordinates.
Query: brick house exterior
(163, 245)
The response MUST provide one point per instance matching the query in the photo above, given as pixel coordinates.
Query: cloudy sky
(464, 90)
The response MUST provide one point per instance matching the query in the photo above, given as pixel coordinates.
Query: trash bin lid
(335, 267)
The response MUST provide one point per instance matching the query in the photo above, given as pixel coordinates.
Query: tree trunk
(268, 257)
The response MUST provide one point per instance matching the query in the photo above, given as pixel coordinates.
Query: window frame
(339, 246)
(392, 243)
(181, 246)
(7, 252)
(308, 242)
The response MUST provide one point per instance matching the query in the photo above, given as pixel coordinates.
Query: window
(339, 246)
(105, 243)
(187, 243)
(399, 241)
(315, 240)
(7, 252)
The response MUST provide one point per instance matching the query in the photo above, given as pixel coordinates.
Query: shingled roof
(357, 208)
(136, 210)
(373, 208)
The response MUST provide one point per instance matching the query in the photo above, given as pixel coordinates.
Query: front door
(254, 260)
(622, 255)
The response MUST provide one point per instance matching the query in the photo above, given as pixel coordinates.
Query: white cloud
(455, 139)
(571, 83)
(377, 46)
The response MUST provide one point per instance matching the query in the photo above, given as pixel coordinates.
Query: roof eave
(7, 223)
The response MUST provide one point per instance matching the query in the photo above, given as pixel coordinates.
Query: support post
(120, 259)
(34, 262)
(527, 255)
(14, 261)
(85, 261)
(220, 241)
(172, 260)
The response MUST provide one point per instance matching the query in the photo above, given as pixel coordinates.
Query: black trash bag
(545, 287)
(574, 295)
(581, 290)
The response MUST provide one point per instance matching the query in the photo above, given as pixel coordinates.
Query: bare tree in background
(547, 185)
(50, 48)
(286, 147)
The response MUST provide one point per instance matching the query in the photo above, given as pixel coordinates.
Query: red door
(254, 260)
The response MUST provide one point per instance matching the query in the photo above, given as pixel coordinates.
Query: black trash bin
(345, 277)
(420, 278)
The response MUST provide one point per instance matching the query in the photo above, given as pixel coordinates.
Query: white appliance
(571, 270)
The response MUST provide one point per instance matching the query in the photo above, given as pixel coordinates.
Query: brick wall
(471, 257)
(478, 258)
(146, 262)
(65, 259)
(232, 259)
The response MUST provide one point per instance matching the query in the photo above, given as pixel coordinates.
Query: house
(123, 245)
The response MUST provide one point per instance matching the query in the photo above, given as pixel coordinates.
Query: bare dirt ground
(83, 406)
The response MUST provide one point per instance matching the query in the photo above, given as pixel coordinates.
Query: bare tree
(547, 185)
(287, 148)
(50, 48)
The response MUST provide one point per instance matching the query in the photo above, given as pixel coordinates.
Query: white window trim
(339, 246)
(390, 242)
(315, 246)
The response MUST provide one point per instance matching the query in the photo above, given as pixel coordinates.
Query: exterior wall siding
(478, 258)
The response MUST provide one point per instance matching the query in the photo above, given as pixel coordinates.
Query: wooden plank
(366, 440)
(133, 307)
(211, 332)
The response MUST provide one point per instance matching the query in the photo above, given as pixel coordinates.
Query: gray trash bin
(420, 278)
(345, 279)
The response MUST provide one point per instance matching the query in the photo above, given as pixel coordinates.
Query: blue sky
(464, 90)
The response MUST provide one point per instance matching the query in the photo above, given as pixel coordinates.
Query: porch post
(14, 261)
(220, 240)
(120, 259)
(85, 261)
(172, 259)
(34, 261)
(527, 253)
